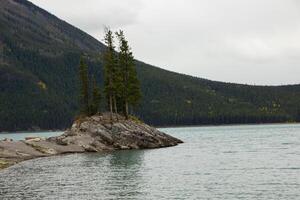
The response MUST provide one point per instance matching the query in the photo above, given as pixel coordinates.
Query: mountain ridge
(39, 58)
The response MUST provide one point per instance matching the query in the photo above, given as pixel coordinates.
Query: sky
(241, 41)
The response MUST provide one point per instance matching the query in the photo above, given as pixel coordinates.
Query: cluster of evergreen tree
(121, 85)
(90, 95)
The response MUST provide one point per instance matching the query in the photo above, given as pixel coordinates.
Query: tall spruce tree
(84, 88)
(129, 89)
(110, 71)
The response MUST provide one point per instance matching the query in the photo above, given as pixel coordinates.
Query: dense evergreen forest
(39, 81)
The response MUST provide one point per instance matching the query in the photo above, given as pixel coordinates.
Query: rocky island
(93, 132)
(97, 133)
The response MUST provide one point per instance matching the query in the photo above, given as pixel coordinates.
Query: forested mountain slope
(39, 58)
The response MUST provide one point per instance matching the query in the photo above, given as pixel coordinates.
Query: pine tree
(110, 71)
(84, 88)
(95, 104)
(130, 92)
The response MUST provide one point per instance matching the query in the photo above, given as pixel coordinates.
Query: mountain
(39, 58)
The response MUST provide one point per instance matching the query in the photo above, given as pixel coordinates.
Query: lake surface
(225, 162)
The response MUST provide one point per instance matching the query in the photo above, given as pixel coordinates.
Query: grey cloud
(245, 41)
(92, 15)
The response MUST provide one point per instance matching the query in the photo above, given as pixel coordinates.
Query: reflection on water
(232, 162)
(118, 184)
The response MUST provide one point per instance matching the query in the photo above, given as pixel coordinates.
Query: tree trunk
(111, 107)
(115, 106)
(126, 109)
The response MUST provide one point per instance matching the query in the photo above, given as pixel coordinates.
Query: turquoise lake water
(224, 162)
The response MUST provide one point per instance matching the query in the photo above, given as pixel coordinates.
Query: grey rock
(95, 134)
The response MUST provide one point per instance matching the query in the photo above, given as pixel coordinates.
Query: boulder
(7, 140)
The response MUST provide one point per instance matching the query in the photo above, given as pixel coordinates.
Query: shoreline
(6, 163)
(219, 125)
(171, 126)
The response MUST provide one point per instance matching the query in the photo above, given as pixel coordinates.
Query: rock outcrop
(91, 134)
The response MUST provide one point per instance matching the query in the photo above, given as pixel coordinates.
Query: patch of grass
(4, 164)
(135, 119)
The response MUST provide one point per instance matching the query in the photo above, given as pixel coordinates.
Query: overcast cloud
(243, 41)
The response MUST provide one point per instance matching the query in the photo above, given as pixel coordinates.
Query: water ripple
(232, 162)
